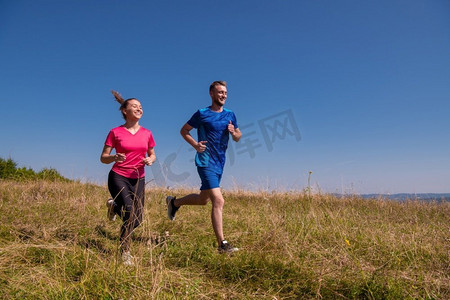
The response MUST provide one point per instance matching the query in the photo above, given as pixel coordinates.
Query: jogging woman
(133, 146)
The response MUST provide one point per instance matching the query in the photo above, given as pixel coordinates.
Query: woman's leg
(129, 199)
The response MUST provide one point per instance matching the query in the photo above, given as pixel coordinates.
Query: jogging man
(214, 125)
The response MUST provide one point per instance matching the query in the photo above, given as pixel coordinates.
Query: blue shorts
(210, 178)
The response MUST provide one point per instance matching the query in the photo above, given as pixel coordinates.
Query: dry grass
(55, 243)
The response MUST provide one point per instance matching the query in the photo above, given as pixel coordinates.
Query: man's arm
(237, 135)
(185, 133)
(235, 132)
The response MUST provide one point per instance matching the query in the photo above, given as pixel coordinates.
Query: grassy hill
(56, 243)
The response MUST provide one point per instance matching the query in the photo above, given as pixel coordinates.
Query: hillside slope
(56, 243)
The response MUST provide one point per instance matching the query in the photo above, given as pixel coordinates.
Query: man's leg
(218, 202)
(193, 199)
(173, 203)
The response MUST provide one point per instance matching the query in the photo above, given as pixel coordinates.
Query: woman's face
(133, 111)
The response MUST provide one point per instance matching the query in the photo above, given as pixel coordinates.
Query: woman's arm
(151, 157)
(107, 158)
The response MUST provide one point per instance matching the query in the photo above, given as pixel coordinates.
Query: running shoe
(171, 208)
(111, 214)
(127, 259)
(225, 247)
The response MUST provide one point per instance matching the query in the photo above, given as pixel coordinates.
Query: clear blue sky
(355, 91)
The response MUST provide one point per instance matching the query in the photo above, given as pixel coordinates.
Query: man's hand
(235, 132)
(231, 128)
(201, 146)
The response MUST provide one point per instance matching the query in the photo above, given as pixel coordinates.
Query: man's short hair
(219, 82)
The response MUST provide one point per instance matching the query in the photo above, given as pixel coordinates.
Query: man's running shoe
(111, 214)
(226, 248)
(171, 208)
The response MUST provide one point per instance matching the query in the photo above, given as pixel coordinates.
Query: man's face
(219, 94)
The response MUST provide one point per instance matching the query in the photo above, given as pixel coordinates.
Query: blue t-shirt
(212, 127)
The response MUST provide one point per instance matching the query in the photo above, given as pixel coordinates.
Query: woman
(133, 146)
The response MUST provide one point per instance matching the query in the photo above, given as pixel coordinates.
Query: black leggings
(128, 195)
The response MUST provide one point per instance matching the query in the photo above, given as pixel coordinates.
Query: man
(214, 125)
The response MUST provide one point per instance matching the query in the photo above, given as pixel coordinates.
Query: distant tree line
(9, 170)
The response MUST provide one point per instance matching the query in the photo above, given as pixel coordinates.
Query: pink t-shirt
(134, 146)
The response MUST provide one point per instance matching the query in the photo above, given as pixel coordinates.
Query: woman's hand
(119, 157)
(148, 161)
(106, 157)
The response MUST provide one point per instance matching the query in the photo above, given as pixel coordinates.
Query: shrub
(9, 170)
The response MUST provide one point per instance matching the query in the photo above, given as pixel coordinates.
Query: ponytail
(123, 103)
(118, 97)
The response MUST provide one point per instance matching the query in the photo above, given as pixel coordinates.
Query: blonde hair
(219, 82)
